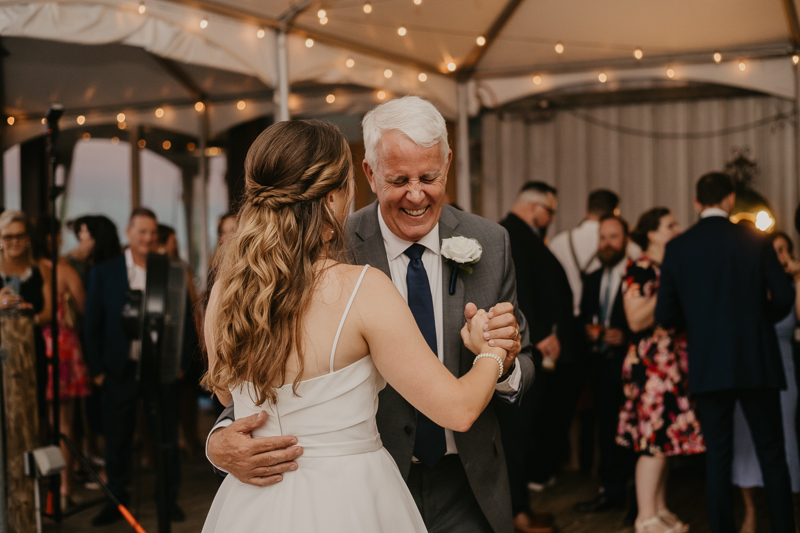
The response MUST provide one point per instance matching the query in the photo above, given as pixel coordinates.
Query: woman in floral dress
(657, 420)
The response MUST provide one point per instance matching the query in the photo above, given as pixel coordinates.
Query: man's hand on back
(256, 461)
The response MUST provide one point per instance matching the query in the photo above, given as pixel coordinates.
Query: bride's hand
(472, 335)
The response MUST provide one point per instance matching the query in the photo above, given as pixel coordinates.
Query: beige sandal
(667, 516)
(641, 526)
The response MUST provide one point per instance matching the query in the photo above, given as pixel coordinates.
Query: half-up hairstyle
(268, 269)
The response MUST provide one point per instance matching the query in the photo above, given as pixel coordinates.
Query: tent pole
(136, 178)
(204, 252)
(283, 78)
(463, 185)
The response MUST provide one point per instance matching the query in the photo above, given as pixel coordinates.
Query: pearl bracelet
(493, 356)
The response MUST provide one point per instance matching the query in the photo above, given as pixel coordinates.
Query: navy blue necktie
(430, 444)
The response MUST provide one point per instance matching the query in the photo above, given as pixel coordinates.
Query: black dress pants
(516, 431)
(120, 396)
(762, 409)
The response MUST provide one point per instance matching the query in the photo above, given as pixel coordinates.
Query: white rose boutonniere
(462, 251)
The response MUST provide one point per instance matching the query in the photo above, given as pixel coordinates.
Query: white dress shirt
(714, 212)
(137, 281)
(431, 259)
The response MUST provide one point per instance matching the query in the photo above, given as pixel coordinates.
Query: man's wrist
(508, 372)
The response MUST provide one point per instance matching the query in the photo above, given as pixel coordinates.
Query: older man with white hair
(458, 480)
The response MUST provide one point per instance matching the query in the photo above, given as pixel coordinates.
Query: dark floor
(686, 497)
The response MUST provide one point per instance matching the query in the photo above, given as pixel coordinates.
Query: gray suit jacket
(492, 281)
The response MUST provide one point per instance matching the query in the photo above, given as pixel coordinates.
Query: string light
(670, 73)
(240, 105)
(166, 145)
(742, 66)
(121, 117)
(10, 121)
(638, 53)
(199, 106)
(330, 98)
(260, 33)
(159, 113)
(80, 120)
(602, 77)
(481, 40)
(381, 95)
(309, 43)
(115, 140)
(795, 59)
(86, 136)
(417, 2)
(142, 143)
(367, 8)
(204, 23)
(401, 31)
(323, 20)
(387, 73)
(142, 8)
(321, 14)
(537, 80)
(559, 48)
(422, 77)
(190, 147)
(717, 57)
(451, 66)
(122, 125)
(350, 63)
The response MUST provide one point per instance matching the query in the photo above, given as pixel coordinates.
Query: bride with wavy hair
(294, 330)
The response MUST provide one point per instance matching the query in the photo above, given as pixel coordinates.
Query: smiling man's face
(409, 181)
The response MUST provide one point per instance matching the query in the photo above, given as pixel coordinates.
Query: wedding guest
(656, 420)
(73, 373)
(576, 249)
(746, 471)
(464, 486)
(724, 282)
(24, 287)
(114, 365)
(545, 299)
(606, 327)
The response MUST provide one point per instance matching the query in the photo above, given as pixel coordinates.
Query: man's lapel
(452, 304)
(367, 245)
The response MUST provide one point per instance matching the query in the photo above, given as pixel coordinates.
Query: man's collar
(396, 246)
(714, 212)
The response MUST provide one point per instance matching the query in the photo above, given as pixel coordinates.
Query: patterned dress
(73, 373)
(656, 418)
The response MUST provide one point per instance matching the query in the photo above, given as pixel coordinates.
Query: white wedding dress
(346, 481)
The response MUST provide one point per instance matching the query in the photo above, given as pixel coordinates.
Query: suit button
(408, 430)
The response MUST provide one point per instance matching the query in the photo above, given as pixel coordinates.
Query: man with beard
(603, 316)
(545, 298)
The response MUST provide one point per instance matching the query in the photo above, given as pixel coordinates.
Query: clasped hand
(501, 330)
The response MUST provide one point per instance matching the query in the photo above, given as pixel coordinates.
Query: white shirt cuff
(221, 424)
(510, 385)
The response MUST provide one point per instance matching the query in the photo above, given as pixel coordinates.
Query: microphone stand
(52, 118)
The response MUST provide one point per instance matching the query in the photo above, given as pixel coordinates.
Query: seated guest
(603, 316)
(656, 420)
(746, 470)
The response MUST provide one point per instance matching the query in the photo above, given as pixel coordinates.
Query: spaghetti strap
(346, 310)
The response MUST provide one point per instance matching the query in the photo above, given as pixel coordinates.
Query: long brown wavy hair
(268, 269)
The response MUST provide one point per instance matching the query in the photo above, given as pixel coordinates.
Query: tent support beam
(282, 112)
(175, 71)
(463, 180)
(791, 19)
(242, 15)
(469, 65)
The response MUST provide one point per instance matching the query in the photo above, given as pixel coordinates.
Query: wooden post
(21, 417)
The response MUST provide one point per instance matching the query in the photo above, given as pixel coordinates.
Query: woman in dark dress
(656, 420)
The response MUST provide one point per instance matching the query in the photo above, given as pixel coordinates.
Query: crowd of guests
(681, 341)
(99, 390)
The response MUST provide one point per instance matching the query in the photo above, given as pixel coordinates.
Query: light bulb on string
(602, 77)
(321, 14)
(142, 8)
(717, 57)
(387, 73)
(330, 98)
(559, 48)
(159, 112)
(204, 23)
(80, 120)
(742, 66)
(309, 43)
(10, 121)
(199, 107)
(86, 136)
(422, 77)
(121, 117)
(795, 59)
(142, 143)
(670, 73)
(381, 95)
(114, 141)
(166, 145)
(537, 80)
(367, 8)
(240, 105)
(481, 40)
(260, 33)
(401, 31)
(323, 20)
(350, 63)
(451, 66)
(638, 54)
(417, 2)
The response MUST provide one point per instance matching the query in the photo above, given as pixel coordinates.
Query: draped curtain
(580, 150)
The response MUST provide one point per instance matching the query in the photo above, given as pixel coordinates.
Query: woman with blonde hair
(294, 330)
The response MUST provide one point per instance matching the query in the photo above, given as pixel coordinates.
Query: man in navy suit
(723, 283)
(603, 317)
(113, 362)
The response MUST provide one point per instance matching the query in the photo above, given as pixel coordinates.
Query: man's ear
(370, 176)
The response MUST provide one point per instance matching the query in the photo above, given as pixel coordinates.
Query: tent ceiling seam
(468, 67)
(791, 19)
